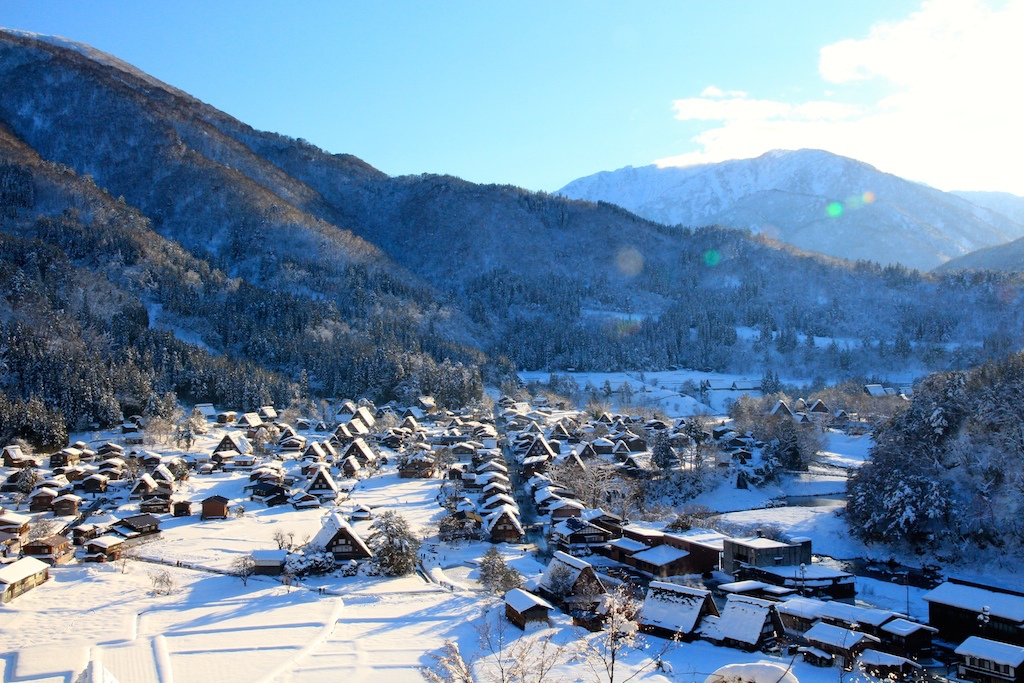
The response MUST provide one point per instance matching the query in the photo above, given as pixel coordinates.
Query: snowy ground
(844, 450)
(214, 628)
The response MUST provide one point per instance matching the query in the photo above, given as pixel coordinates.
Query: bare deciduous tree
(244, 567)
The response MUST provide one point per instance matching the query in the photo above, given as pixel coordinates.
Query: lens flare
(834, 210)
(868, 197)
(712, 257)
(629, 261)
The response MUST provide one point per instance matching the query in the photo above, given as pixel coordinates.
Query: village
(290, 507)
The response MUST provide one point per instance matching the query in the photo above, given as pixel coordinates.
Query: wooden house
(269, 562)
(888, 667)
(155, 506)
(420, 466)
(65, 457)
(52, 550)
(746, 623)
(361, 513)
(704, 546)
(321, 484)
(14, 523)
(361, 451)
(907, 638)
(674, 611)
(104, 549)
(523, 608)
(234, 442)
(338, 538)
(14, 457)
(956, 607)
(84, 532)
(215, 507)
(502, 525)
(268, 493)
(661, 561)
(843, 644)
(10, 544)
(574, 534)
(181, 508)
(350, 467)
(95, 483)
(990, 661)
(41, 500)
(66, 505)
(570, 582)
(139, 525)
(249, 421)
(22, 576)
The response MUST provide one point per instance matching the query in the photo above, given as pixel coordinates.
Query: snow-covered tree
(393, 543)
(495, 575)
(243, 567)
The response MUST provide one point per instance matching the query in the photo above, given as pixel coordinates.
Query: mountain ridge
(287, 271)
(788, 194)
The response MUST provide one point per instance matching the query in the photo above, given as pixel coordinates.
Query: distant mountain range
(817, 201)
(152, 245)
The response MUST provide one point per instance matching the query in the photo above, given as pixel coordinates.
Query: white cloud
(953, 120)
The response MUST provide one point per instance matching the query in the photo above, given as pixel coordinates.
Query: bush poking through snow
(162, 582)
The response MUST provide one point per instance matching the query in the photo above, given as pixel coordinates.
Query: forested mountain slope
(159, 214)
(949, 471)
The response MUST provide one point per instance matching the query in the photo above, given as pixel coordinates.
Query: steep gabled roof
(675, 608)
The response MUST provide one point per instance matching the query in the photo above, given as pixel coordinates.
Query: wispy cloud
(954, 118)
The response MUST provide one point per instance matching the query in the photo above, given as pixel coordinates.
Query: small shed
(181, 508)
(21, 576)
(522, 608)
(269, 562)
(215, 507)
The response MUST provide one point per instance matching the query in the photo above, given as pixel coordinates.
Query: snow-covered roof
(856, 615)
(703, 537)
(1003, 605)
(331, 525)
(805, 608)
(521, 600)
(742, 620)
(575, 566)
(808, 572)
(627, 544)
(905, 627)
(660, 555)
(875, 658)
(9, 517)
(673, 607)
(22, 569)
(983, 648)
(760, 543)
(834, 636)
(513, 516)
(743, 586)
(105, 542)
(269, 556)
(756, 672)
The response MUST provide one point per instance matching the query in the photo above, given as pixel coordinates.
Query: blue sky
(537, 93)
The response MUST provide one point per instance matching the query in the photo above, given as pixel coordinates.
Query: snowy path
(382, 638)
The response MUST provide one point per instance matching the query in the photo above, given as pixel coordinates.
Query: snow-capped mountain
(812, 199)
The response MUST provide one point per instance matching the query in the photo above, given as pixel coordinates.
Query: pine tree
(394, 545)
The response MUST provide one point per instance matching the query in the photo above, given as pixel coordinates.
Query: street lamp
(803, 579)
